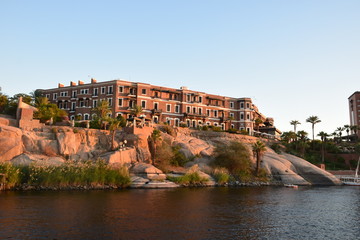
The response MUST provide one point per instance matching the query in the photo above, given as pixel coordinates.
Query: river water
(184, 213)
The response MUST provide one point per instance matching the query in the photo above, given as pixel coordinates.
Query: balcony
(156, 111)
(60, 98)
(195, 115)
(84, 95)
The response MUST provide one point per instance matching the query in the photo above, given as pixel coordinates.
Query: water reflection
(206, 213)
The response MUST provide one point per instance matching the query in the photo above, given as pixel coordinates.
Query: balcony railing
(156, 111)
(195, 115)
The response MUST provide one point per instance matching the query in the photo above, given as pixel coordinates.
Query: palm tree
(355, 128)
(340, 130)
(288, 136)
(295, 123)
(47, 111)
(313, 120)
(323, 136)
(258, 149)
(153, 140)
(302, 143)
(347, 129)
(102, 110)
(334, 134)
(114, 125)
(136, 110)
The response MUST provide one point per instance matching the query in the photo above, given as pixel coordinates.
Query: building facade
(354, 110)
(160, 104)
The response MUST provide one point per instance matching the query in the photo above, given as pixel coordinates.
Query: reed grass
(67, 175)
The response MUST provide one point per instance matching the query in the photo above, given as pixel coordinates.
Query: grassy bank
(66, 176)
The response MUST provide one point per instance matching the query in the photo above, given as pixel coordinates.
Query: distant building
(160, 104)
(354, 110)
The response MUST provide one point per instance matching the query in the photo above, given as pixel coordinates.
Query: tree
(46, 110)
(313, 120)
(35, 94)
(102, 110)
(234, 156)
(4, 101)
(258, 149)
(334, 134)
(13, 102)
(323, 136)
(122, 120)
(302, 142)
(347, 129)
(302, 135)
(288, 137)
(153, 140)
(340, 130)
(114, 125)
(355, 128)
(295, 123)
(136, 110)
(258, 121)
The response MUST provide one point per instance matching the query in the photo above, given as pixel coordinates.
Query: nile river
(185, 213)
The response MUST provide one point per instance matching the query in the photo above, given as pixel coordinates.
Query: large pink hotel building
(161, 104)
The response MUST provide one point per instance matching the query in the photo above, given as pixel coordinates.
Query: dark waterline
(195, 213)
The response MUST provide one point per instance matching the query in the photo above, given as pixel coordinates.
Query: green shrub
(67, 175)
(10, 175)
(179, 159)
(95, 124)
(216, 129)
(163, 156)
(54, 130)
(244, 132)
(232, 130)
(276, 147)
(205, 128)
(235, 157)
(75, 130)
(244, 175)
(221, 175)
(189, 178)
(262, 175)
(168, 129)
(183, 125)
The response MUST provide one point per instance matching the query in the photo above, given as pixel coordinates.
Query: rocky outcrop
(26, 159)
(10, 142)
(311, 173)
(147, 176)
(285, 168)
(54, 145)
(120, 157)
(148, 171)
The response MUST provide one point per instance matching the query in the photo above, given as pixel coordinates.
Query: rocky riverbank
(57, 145)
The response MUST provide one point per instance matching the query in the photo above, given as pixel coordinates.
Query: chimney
(80, 82)
(72, 84)
(60, 85)
(93, 80)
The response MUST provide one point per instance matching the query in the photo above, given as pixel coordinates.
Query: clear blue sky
(294, 58)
